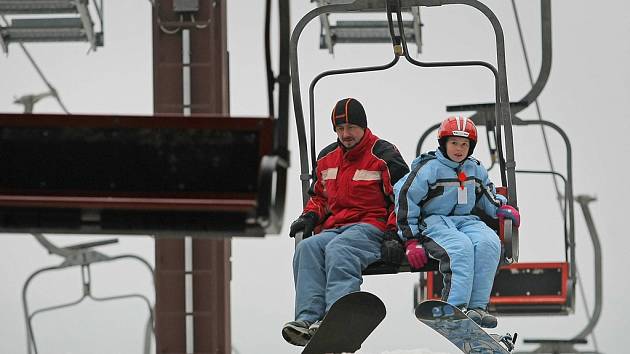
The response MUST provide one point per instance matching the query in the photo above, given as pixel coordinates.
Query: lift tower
(190, 76)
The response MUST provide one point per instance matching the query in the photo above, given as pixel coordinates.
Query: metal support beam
(3, 44)
(86, 22)
(584, 201)
(210, 258)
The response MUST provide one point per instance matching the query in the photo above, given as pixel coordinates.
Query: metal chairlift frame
(502, 107)
(328, 42)
(482, 116)
(79, 7)
(12, 7)
(82, 255)
(274, 167)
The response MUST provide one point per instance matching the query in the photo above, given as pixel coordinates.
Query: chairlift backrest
(138, 175)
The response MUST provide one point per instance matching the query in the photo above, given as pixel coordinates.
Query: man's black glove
(305, 223)
(392, 251)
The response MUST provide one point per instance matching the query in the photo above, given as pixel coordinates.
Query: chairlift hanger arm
(543, 75)
(499, 89)
(88, 26)
(503, 109)
(311, 95)
(502, 104)
(570, 240)
(270, 208)
(283, 79)
(270, 76)
(311, 92)
(545, 68)
(584, 201)
(537, 87)
(356, 6)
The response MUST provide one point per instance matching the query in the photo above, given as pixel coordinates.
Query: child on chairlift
(434, 204)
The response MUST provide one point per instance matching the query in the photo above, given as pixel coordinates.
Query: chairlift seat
(79, 28)
(522, 288)
(15, 7)
(165, 175)
(380, 267)
(45, 30)
(485, 107)
(366, 32)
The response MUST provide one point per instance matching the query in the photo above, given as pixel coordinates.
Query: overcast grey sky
(586, 95)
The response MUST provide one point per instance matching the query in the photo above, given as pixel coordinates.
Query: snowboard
(464, 333)
(350, 320)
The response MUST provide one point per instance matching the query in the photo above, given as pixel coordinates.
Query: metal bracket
(86, 20)
(186, 5)
(3, 44)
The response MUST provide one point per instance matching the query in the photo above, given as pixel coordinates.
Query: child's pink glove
(415, 254)
(508, 211)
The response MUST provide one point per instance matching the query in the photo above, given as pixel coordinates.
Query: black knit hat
(348, 110)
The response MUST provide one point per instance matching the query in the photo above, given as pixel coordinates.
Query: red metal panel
(534, 299)
(164, 120)
(114, 199)
(431, 287)
(129, 203)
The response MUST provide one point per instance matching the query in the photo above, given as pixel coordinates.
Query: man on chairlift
(351, 201)
(434, 204)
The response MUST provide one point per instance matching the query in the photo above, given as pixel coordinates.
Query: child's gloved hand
(416, 255)
(508, 211)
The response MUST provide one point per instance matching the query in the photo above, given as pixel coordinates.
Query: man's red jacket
(352, 186)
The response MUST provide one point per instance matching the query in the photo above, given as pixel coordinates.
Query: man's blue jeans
(328, 266)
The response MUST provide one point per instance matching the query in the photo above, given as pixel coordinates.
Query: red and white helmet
(458, 126)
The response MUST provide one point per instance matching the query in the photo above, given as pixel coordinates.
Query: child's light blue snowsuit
(434, 202)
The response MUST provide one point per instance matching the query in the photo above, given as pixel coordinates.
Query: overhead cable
(538, 111)
(544, 134)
